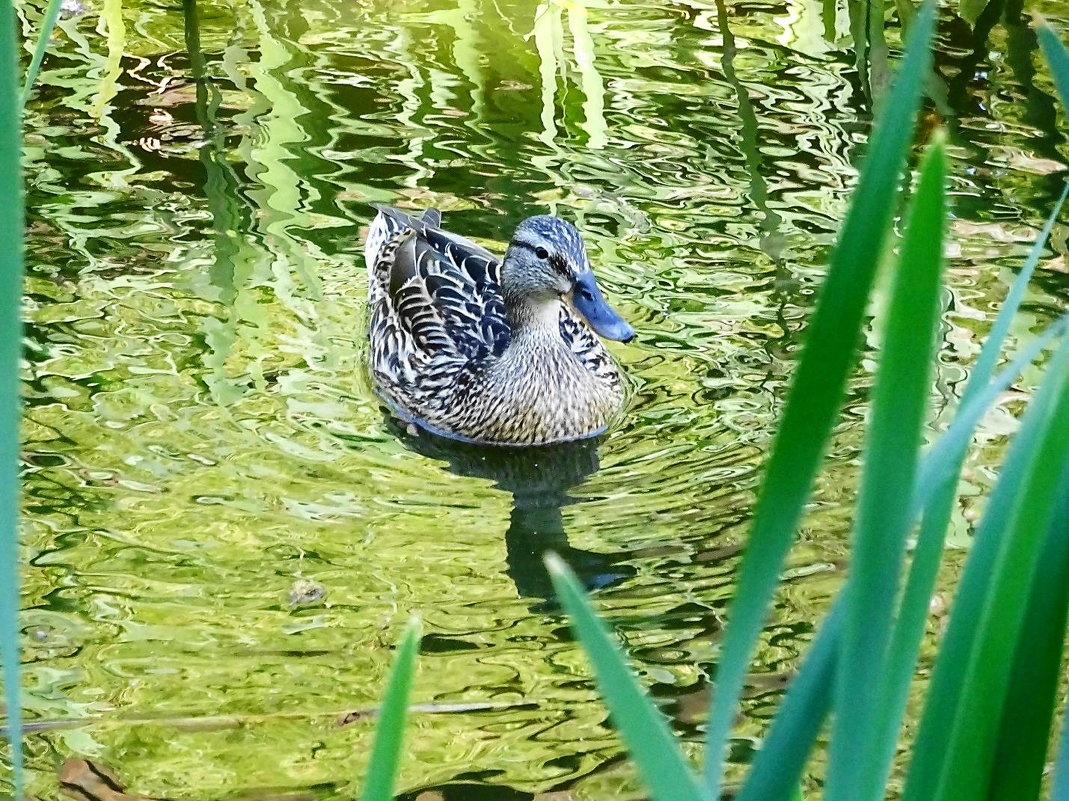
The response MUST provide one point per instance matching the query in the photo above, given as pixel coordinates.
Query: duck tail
(388, 223)
(432, 217)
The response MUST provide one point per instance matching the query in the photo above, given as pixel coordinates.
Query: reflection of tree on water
(539, 480)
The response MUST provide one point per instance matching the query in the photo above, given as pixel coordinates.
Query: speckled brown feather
(443, 354)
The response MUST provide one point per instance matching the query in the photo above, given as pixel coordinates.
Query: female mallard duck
(488, 351)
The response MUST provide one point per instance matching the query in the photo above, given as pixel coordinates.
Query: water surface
(224, 530)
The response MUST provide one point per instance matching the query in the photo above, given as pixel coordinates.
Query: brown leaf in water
(1057, 265)
(87, 781)
(90, 781)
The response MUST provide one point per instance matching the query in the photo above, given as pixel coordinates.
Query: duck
(485, 350)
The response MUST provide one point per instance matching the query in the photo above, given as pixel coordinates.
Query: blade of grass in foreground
(928, 552)
(48, 23)
(955, 743)
(779, 763)
(899, 404)
(817, 389)
(777, 768)
(1058, 59)
(11, 226)
(642, 726)
(389, 733)
(1030, 703)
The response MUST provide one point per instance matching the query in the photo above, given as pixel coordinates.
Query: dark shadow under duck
(539, 480)
(486, 351)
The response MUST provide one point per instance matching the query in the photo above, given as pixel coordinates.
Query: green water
(223, 530)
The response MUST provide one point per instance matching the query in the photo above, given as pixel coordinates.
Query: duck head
(546, 261)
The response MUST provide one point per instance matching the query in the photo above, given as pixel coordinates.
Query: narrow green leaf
(11, 230)
(793, 732)
(389, 733)
(1058, 59)
(941, 468)
(992, 347)
(945, 461)
(48, 23)
(817, 390)
(1032, 695)
(642, 726)
(777, 768)
(899, 404)
(956, 740)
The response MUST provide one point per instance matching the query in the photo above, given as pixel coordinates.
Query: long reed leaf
(389, 733)
(1024, 733)
(777, 768)
(1057, 58)
(11, 231)
(955, 743)
(948, 458)
(779, 763)
(938, 469)
(44, 36)
(642, 726)
(883, 521)
(818, 386)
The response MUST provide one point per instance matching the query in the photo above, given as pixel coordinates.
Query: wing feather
(444, 289)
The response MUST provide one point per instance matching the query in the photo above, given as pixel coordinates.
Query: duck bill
(600, 315)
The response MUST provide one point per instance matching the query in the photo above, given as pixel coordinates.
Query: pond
(224, 530)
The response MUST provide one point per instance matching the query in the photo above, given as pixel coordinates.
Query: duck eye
(542, 253)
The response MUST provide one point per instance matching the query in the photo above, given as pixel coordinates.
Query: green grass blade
(389, 733)
(956, 740)
(817, 389)
(777, 768)
(1058, 59)
(642, 726)
(48, 23)
(992, 347)
(941, 467)
(883, 521)
(11, 230)
(793, 731)
(1031, 700)
(947, 459)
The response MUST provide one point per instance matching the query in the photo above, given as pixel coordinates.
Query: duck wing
(444, 290)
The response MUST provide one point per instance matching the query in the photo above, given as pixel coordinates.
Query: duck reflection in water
(539, 480)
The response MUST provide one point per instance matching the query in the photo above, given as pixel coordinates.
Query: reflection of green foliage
(200, 433)
(987, 716)
(48, 22)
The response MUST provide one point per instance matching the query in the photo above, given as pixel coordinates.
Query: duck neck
(532, 317)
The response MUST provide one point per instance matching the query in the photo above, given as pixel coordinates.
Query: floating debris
(69, 9)
(306, 592)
